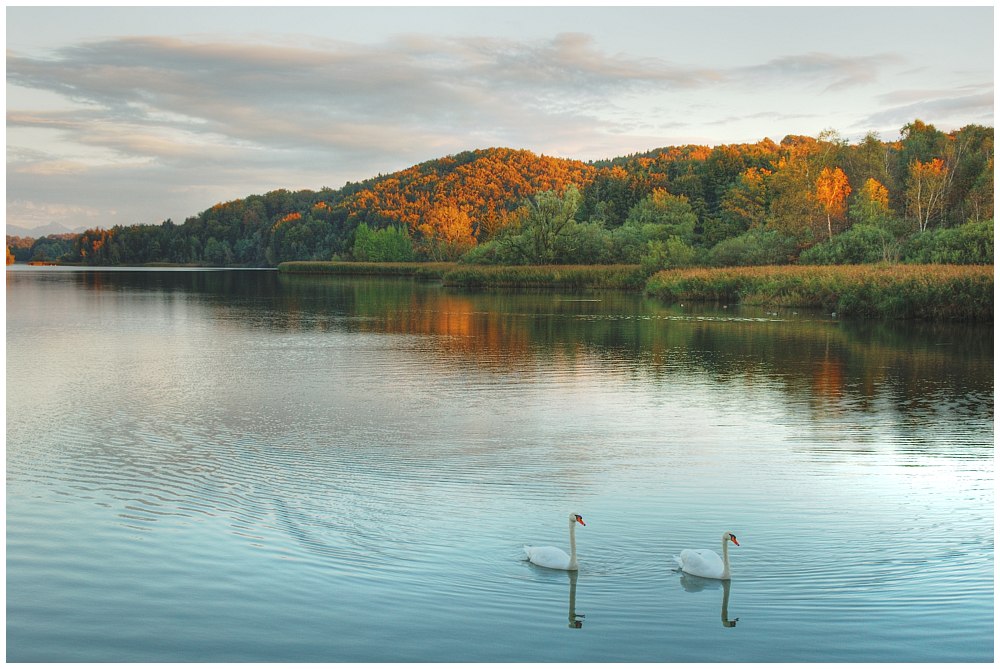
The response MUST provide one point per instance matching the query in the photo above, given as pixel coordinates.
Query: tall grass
(420, 270)
(573, 277)
(931, 292)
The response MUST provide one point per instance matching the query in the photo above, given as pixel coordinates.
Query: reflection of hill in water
(835, 365)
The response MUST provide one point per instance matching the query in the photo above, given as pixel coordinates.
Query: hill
(729, 204)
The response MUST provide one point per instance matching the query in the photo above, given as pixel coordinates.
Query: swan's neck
(725, 557)
(572, 544)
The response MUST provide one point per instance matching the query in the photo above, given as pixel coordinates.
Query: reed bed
(566, 277)
(928, 292)
(420, 270)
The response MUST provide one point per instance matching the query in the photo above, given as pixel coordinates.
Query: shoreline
(962, 293)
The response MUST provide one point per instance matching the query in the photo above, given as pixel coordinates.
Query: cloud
(947, 110)
(152, 114)
(177, 98)
(829, 72)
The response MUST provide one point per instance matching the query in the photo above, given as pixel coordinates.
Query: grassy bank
(420, 270)
(930, 292)
(627, 277)
(573, 277)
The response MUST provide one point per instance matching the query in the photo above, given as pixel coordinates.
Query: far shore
(881, 292)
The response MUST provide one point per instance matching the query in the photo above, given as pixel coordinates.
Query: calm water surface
(242, 466)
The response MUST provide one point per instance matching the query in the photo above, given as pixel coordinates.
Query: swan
(556, 558)
(706, 563)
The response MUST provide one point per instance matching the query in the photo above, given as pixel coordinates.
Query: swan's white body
(556, 558)
(707, 563)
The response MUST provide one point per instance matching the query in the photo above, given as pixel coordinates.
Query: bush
(969, 244)
(584, 244)
(390, 244)
(931, 292)
(672, 252)
(859, 245)
(757, 247)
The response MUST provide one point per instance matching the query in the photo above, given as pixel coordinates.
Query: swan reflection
(575, 619)
(697, 584)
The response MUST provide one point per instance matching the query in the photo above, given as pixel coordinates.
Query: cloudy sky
(122, 115)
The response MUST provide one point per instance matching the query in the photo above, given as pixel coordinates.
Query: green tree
(392, 244)
(549, 222)
(744, 205)
(661, 215)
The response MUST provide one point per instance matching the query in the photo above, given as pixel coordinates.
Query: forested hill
(475, 189)
(702, 202)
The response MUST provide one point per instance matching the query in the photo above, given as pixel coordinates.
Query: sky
(125, 115)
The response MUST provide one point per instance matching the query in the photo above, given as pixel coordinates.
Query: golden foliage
(485, 185)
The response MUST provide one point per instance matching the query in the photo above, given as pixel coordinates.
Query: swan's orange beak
(580, 520)
(733, 539)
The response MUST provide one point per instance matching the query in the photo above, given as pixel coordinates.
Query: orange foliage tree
(832, 190)
(445, 232)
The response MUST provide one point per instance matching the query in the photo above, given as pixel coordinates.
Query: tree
(744, 206)
(871, 159)
(832, 190)
(662, 215)
(10, 257)
(925, 190)
(446, 232)
(871, 203)
(548, 220)
(392, 244)
(793, 208)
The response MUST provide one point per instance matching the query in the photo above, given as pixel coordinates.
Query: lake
(237, 465)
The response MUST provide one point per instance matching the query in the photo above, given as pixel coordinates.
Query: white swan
(556, 558)
(706, 563)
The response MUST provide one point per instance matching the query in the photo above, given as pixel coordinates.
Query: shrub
(390, 244)
(970, 244)
(757, 247)
(858, 245)
(932, 292)
(672, 252)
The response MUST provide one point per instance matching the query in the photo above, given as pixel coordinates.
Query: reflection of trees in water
(836, 366)
(839, 366)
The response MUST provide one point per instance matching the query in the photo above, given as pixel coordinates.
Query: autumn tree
(925, 190)
(446, 232)
(832, 190)
(871, 204)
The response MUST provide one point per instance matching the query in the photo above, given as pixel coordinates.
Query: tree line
(924, 197)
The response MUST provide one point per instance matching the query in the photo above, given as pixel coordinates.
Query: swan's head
(576, 518)
(729, 536)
